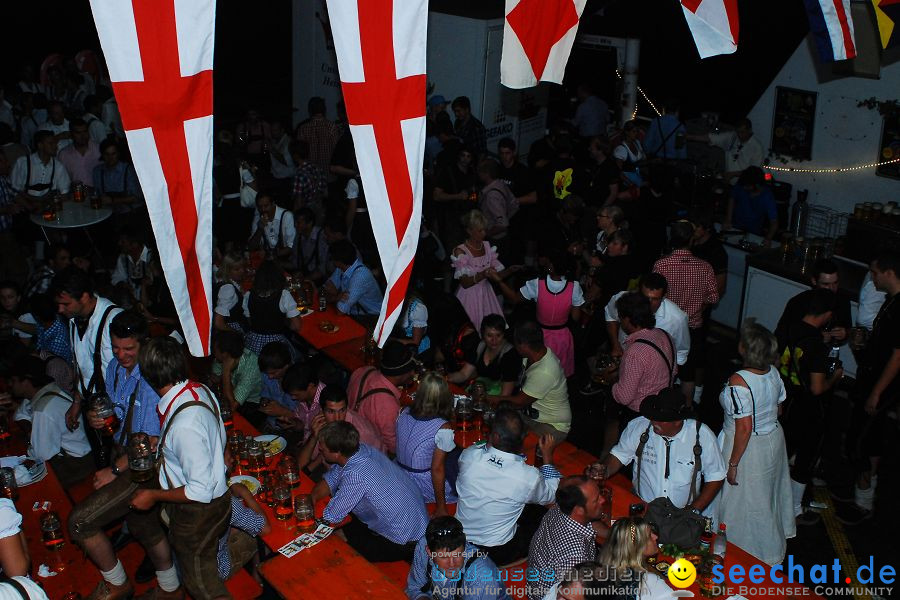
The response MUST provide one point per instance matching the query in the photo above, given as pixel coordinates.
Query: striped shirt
(378, 493)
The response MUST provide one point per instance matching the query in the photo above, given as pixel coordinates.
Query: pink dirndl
(553, 315)
(479, 300)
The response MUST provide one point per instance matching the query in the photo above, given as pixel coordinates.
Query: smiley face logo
(682, 573)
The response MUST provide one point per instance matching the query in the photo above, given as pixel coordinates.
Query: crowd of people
(565, 281)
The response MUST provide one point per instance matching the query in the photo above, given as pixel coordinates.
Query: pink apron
(553, 315)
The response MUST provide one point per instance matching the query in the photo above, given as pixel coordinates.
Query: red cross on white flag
(160, 59)
(537, 40)
(380, 46)
(714, 25)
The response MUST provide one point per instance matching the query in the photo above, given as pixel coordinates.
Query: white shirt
(111, 117)
(49, 433)
(677, 487)
(57, 129)
(194, 450)
(129, 271)
(738, 155)
(96, 128)
(494, 487)
(286, 304)
(227, 298)
(529, 291)
(40, 173)
(83, 347)
(288, 232)
(669, 318)
(870, 301)
(286, 169)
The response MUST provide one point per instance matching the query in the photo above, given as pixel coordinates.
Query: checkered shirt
(559, 544)
(643, 372)
(692, 283)
(55, 339)
(310, 184)
(322, 136)
(244, 519)
(7, 194)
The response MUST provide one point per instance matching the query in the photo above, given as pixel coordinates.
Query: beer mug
(289, 471)
(464, 413)
(256, 458)
(8, 487)
(51, 531)
(141, 460)
(225, 412)
(305, 513)
(597, 472)
(103, 409)
(281, 496)
(236, 445)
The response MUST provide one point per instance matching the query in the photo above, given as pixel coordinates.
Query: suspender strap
(359, 390)
(698, 463)
(639, 453)
(161, 460)
(4, 578)
(96, 377)
(669, 366)
(129, 416)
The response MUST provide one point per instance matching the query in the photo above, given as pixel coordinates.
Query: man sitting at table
(192, 476)
(134, 402)
(544, 394)
(68, 452)
(374, 392)
(388, 506)
(445, 563)
(133, 263)
(664, 441)
(301, 384)
(352, 285)
(236, 369)
(333, 401)
(567, 535)
(274, 361)
(500, 496)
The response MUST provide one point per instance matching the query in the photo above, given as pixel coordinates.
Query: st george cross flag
(537, 40)
(887, 13)
(380, 47)
(160, 58)
(714, 25)
(831, 25)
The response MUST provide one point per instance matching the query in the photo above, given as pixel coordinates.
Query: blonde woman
(631, 540)
(229, 311)
(473, 261)
(756, 502)
(425, 441)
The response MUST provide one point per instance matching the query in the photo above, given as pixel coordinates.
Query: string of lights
(832, 169)
(786, 169)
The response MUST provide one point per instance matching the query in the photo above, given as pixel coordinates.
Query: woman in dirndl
(271, 310)
(756, 503)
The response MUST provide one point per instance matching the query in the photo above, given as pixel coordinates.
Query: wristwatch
(696, 511)
(115, 470)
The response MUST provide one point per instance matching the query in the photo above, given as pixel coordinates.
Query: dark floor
(876, 537)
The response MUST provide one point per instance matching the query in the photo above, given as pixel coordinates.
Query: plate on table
(26, 471)
(329, 327)
(251, 483)
(272, 444)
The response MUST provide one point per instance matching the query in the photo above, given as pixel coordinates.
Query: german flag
(887, 13)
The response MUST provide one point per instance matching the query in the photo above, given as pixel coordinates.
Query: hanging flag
(537, 40)
(160, 59)
(831, 25)
(380, 47)
(714, 25)
(887, 13)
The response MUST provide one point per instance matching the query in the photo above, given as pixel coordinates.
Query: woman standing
(631, 540)
(425, 439)
(267, 306)
(557, 300)
(628, 154)
(756, 503)
(471, 261)
(609, 220)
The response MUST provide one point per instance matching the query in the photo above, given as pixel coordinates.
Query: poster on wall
(792, 126)
(890, 145)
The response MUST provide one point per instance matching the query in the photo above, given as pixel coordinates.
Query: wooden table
(348, 354)
(348, 328)
(330, 569)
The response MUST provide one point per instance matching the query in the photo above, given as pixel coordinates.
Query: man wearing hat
(676, 455)
(375, 392)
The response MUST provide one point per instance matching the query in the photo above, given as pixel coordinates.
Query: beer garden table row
(570, 460)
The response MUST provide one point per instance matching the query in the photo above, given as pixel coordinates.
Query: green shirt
(245, 378)
(546, 381)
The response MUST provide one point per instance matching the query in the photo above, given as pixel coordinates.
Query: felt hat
(397, 358)
(666, 406)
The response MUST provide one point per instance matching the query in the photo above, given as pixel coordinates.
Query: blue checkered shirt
(55, 339)
(364, 295)
(379, 493)
(144, 416)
